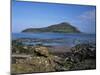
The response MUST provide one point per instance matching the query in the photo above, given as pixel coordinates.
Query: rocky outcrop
(84, 51)
(82, 56)
(41, 61)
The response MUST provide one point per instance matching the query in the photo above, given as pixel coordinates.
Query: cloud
(88, 16)
(87, 21)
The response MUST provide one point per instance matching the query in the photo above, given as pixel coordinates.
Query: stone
(43, 51)
(83, 51)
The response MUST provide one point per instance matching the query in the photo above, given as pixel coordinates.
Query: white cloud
(88, 16)
(86, 21)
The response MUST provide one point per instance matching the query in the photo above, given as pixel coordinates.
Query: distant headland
(63, 27)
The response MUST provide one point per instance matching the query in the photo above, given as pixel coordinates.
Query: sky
(39, 14)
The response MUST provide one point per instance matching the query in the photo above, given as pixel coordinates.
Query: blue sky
(37, 15)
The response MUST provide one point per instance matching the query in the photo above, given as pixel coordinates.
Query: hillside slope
(60, 28)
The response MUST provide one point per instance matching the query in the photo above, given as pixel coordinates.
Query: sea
(56, 39)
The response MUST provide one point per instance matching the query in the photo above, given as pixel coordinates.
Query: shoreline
(41, 58)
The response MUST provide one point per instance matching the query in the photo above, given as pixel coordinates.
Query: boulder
(42, 51)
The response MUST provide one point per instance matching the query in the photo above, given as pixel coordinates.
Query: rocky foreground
(80, 57)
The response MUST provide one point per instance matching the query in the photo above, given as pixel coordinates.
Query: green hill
(59, 28)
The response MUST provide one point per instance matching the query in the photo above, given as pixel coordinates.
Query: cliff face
(60, 28)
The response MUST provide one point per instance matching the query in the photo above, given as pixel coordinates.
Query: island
(63, 27)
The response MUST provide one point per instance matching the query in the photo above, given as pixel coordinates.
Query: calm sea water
(58, 38)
